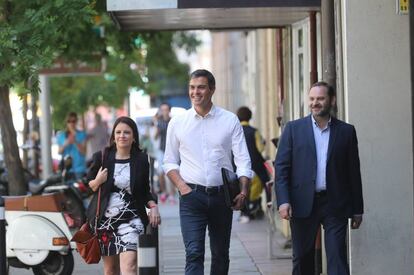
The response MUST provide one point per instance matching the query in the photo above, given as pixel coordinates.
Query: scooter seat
(36, 187)
(53, 202)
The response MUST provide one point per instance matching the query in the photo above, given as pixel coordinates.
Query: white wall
(378, 103)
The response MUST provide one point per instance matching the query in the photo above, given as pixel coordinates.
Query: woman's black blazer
(139, 181)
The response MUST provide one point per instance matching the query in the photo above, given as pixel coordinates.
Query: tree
(32, 35)
(35, 33)
(144, 63)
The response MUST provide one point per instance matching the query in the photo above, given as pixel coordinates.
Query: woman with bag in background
(122, 173)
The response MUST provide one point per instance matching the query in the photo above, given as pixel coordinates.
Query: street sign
(61, 67)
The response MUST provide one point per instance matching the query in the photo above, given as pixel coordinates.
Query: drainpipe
(411, 14)
(313, 78)
(329, 76)
(280, 74)
(328, 42)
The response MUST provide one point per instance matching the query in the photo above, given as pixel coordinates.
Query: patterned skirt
(120, 226)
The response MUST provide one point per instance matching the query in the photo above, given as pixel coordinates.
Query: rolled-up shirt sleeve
(240, 152)
(171, 156)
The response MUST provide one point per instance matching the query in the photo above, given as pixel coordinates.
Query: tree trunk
(17, 185)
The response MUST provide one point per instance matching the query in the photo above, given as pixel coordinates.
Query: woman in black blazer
(122, 172)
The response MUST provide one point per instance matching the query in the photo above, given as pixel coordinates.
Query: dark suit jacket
(139, 182)
(296, 166)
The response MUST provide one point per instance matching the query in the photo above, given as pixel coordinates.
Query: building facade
(269, 71)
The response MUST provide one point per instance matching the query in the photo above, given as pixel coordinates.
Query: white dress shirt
(200, 146)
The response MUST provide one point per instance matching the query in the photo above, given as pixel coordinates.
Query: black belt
(206, 189)
(321, 194)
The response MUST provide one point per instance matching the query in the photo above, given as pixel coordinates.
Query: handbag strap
(98, 206)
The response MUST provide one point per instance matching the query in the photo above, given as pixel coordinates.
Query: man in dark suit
(318, 181)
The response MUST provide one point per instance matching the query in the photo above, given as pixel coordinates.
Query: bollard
(148, 253)
(3, 260)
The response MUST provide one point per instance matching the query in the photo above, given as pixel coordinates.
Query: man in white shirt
(199, 143)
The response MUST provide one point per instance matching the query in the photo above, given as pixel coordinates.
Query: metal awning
(207, 14)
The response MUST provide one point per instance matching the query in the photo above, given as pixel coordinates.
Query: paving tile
(248, 248)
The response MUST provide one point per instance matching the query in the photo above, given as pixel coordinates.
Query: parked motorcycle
(37, 234)
(74, 209)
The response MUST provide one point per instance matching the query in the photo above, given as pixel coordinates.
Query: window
(300, 67)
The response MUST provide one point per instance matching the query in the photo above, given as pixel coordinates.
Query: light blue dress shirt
(321, 145)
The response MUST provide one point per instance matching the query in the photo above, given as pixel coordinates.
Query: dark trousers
(303, 240)
(198, 210)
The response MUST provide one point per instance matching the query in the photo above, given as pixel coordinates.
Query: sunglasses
(71, 121)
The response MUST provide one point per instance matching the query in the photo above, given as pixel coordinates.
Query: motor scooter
(56, 183)
(74, 207)
(37, 234)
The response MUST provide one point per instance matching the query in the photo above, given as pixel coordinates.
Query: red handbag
(86, 238)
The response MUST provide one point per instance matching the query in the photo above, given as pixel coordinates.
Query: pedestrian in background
(72, 142)
(199, 143)
(124, 179)
(318, 180)
(97, 137)
(167, 190)
(255, 145)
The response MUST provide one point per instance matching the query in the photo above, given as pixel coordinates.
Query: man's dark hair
(329, 88)
(206, 74)
(244, 113)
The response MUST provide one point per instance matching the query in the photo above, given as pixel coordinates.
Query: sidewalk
(248, 247)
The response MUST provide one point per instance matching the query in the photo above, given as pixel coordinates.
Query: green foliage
(78, 93)
(34, 33)
(162, 60)
(144, 60)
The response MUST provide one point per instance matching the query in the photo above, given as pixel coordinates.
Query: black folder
(231, 186)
